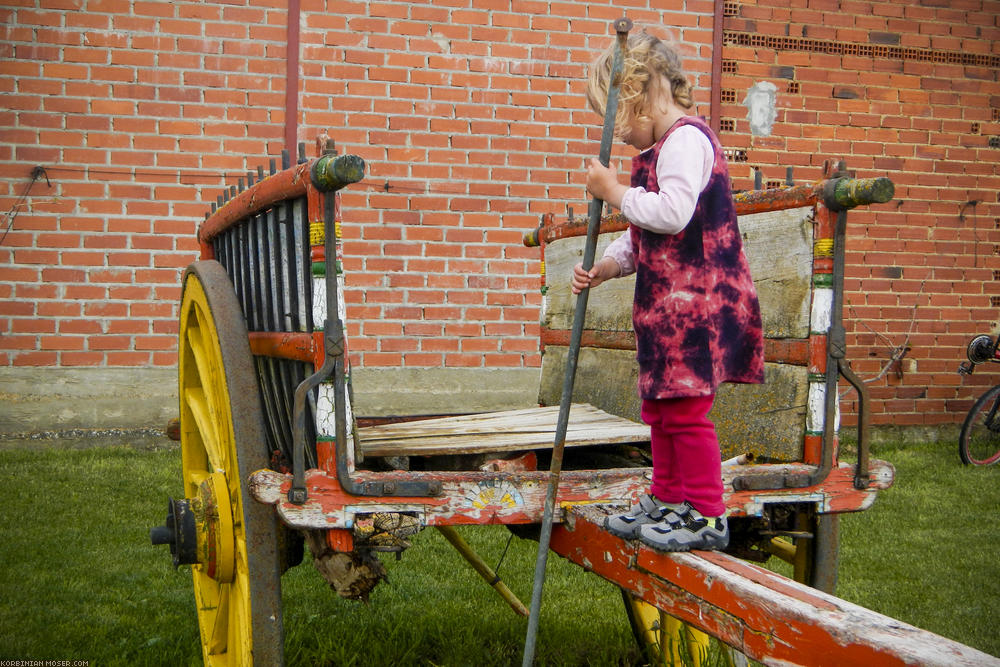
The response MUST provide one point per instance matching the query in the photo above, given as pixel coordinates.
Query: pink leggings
(687, 463)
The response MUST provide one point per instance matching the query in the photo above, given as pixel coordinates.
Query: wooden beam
(768, 617)
(507, 431)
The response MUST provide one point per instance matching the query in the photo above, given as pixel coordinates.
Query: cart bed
(499, 432)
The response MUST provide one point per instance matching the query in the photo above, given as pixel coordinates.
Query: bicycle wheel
(979, 442)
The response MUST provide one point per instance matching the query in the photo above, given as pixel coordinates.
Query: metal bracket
(840, 193)
(330, 173)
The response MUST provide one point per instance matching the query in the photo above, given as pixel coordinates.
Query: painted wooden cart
(274, 458)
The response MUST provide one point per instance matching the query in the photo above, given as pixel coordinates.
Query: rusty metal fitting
(622, 25)
(333, 172)
(840, 194)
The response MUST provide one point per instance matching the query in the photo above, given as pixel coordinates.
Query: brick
(510, 133)
(32, 358)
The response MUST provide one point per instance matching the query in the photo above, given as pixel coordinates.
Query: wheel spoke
(239, 615)
(207, 373)
(198, 404)
(219, 640)
(211, 607)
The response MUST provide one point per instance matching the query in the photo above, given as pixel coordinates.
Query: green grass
(80, 580)
(928, 552)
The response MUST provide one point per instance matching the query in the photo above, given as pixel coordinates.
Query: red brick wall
(136, 110)
(471, 117)
(907, 90)
(472, 120)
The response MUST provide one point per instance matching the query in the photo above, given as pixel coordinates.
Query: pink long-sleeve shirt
(669, 210)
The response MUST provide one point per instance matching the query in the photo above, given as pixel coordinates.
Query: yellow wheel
(812, 552)
(664, 639)
(237, 580)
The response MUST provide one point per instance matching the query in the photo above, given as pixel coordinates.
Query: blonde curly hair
(648, 58)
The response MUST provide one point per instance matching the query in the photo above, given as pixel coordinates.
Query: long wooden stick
(622, 27)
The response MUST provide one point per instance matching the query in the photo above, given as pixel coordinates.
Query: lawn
(81, 582)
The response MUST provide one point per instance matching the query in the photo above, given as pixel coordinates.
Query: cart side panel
(770, 419)
(266, 254)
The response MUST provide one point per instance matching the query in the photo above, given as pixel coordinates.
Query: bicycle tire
(979, 441)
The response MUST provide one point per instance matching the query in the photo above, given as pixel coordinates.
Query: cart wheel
(814, 557)
(664, 639)
(237, 581)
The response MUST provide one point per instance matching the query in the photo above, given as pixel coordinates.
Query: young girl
(696, 318)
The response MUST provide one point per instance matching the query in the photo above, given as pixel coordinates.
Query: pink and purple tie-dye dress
(696, 317)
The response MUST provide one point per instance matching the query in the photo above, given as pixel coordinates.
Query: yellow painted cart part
(226, 585)
(665, 639)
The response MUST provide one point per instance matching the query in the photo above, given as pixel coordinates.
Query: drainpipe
(715, 108)
(292, 76)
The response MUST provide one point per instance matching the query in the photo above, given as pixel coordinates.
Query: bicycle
(979, 441)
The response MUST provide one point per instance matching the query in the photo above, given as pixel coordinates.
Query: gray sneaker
(697, 532)
(649, 511)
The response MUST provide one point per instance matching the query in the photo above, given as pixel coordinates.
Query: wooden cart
(274, 458)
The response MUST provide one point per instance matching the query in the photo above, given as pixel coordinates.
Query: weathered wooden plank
(609, 306)
(605, 378)
(768, 420)
(779, 249)
(511, 430)
(767, 617)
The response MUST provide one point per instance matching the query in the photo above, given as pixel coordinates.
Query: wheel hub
(199, 530)
(178, 532)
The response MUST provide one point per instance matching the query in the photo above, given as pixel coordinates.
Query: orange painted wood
(776, 350)
(286, 184)
(476, 497)
(293, 345)
(768, 617)
(747, 203)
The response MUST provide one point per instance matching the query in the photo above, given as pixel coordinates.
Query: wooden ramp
(498, 432)
(769, 618)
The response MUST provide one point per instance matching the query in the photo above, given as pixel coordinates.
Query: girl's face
(645, 129)
(640, 134)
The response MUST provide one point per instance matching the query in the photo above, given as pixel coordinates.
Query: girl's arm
(602, 182)
(682, 172)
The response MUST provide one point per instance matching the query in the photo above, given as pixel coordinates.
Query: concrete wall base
(71, 404)
(60, 400)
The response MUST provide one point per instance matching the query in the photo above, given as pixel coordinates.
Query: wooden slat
(779, 249)
(511, 430)
(777, 350)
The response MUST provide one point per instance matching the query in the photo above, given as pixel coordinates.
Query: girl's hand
(603, 270)
(602, 182)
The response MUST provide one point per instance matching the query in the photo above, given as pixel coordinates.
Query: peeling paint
(768, 617)
(822, 309)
